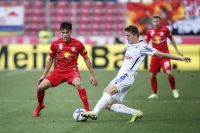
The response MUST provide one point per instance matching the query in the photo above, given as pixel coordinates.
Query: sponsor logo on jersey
(148, 48)
(66, 54)
(123, 77)
(157, 39)
(128, 57)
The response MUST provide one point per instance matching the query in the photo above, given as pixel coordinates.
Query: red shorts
(56, 77)
(157, 63)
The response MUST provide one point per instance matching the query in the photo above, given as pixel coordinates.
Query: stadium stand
(101, 17)
(89, 18)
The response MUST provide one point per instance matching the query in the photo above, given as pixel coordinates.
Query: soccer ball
(77, 115)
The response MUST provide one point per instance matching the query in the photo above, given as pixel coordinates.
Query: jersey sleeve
(169, 34)
(83, 51)
(147, 37)
(147, 50)
(52, 52)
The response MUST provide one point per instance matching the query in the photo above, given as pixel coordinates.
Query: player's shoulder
(164, 28)
(76, 41)
(142, 43)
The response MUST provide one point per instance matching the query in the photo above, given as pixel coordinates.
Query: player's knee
(41, 88)
(108, 106)
(77, 85)
(153, 75)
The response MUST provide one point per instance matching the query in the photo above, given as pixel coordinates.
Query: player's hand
(93, 81)
(40, 79)
(186, 59)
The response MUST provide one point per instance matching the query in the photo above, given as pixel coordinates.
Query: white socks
(105, 99)
(120, 108)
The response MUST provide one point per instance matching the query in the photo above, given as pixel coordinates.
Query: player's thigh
(166, 65)
(73, 78)
(45, 84)
(110, 89)
(121, 94)
(154, 65)
(56, 78)
(123, 80)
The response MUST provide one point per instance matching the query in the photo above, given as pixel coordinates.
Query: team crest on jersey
(152, 32)
(73, 49)
(60, 46)
(161, 34)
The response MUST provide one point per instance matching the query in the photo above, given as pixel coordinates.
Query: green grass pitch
(162, 115)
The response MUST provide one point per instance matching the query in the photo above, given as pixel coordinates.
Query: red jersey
(66, 53)
(159, 38)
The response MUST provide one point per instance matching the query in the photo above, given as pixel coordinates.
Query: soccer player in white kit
(115, 92)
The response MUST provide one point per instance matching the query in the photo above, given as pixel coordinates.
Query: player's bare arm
(46, 70)
(175, 47)
(165, 55)
(88, 63)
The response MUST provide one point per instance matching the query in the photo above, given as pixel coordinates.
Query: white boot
(153, 96)
(175, 93)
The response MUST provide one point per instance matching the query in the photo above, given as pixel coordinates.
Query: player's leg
(45, 84)
(113, 88)
(166, 66)
(82, 93)
(54, 79)
(103, 101)
(172, 83)
(116, 105)
(154, 69)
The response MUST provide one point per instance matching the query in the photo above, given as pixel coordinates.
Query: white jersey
(134, 56)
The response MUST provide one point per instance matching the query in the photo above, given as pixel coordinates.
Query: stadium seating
(88, 18)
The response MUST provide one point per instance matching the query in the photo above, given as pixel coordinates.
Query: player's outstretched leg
(136, 115)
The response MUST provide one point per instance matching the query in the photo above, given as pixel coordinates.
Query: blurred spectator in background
(45, 37)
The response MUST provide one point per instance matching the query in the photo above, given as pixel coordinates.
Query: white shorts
(122, 83)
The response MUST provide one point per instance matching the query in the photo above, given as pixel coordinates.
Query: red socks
(154, 84)
(40, 97)
(172, 82)
(83, 96)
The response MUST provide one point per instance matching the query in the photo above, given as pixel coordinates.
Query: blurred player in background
(159, 34)
(115, 92)
(66, 51)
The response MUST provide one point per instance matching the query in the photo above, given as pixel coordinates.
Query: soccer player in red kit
(159, 34)
(66, 51)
